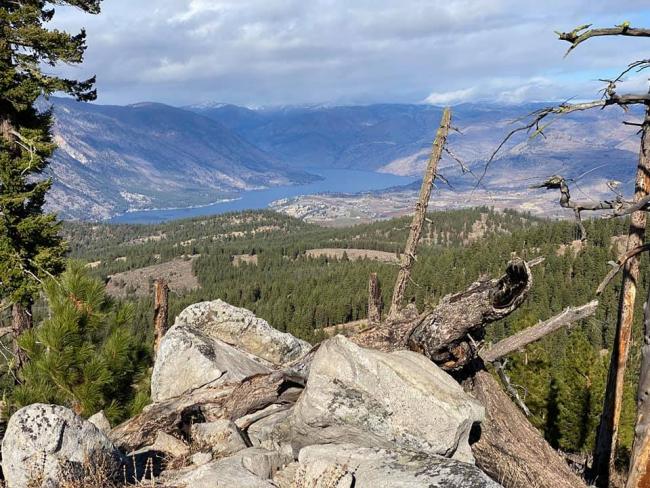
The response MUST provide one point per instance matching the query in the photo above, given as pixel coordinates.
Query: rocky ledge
(238, 404)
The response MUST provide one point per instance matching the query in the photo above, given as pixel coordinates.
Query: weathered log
(510, 449)
(228, 401)
(532, 334)
(448, 334)
(408, 258)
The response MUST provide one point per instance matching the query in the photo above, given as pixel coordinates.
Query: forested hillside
(257, 260)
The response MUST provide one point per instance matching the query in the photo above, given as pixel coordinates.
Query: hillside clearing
(138, 282)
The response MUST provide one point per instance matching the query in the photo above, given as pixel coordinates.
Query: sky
(295, 52)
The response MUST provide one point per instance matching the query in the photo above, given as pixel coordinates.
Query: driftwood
(510, 449)
(408, 257)
(228, 401)
(532, 334)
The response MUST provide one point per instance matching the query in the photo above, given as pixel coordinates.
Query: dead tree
(558, 182)
(605, 447)
(408, 257)
(510, 449)
(639, 474)
(160, 311)
(374, 300)
(532, 334)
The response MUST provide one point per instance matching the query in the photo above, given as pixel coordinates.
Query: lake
(334, 181)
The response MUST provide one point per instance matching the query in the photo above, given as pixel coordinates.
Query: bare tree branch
(500, 367)
(532, 334)
(581, 33)
(558, 182)
(618, 265)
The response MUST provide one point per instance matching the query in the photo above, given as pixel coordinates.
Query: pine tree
(84, 356)
(30, 245)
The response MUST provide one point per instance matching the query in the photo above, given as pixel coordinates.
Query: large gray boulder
(49, 443)
(376, 399)
(221, 437)
(250, 468)
(242, 329)
(189, 359)
(347, 466)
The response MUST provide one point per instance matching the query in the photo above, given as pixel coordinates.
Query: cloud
(451, 97)
(341, 51)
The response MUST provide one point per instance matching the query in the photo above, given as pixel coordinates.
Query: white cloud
(451, 97)
(296, 51)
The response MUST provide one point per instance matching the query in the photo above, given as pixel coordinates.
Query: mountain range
(114, 159)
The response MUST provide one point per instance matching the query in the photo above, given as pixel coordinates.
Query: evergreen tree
(30, 245)
(84, 356)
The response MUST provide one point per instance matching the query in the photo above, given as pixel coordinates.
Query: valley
(186, 162)
(311, 280)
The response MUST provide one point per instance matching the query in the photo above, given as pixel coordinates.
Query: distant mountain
(115, 159)
(397, 139)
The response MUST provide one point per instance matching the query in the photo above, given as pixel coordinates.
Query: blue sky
(275, 52)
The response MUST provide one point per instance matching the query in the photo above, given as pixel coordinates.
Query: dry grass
(353, 254)
(178, 273)
(100, 473)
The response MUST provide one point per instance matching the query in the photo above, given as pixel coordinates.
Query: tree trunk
(447, 335)
(510, 449)
(21, 320)
(606, 440)
(639, 475)
(408, 258)
(374, 300)
(160, 311)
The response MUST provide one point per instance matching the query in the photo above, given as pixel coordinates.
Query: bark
(448, 334)
(229, 401)
(606, 440)
(532, 334)
(21, 320)
(160, 311)
(408, 258)
(639, 474)
(510, 449)
(374, 300)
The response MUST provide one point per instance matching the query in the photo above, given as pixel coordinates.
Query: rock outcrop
(376, 399)
(189, 359)
(232, 407)
(242, 329)
(348, 466)
(250, 468)
(46, 444)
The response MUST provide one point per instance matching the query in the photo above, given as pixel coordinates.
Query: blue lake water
(334, 181)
